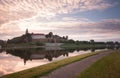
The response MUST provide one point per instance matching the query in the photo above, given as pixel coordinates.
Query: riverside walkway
(72, 70)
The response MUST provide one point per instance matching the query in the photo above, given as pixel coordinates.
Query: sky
(79, 19)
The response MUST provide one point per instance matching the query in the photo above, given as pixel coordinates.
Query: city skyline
(79, 19)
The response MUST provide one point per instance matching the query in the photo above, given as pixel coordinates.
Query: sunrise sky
(79, 19)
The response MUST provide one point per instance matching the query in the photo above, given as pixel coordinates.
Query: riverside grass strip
(107, 67)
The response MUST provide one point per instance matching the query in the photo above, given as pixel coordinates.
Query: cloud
(44, 16)
(111, 24)
(19, 9)
(9, 30)
(108, 29)
(86, 5)
(74, 27)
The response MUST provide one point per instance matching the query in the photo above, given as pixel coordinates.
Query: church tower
(26, 31)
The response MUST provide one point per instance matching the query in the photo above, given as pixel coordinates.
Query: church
(40, 37)
(37, 37)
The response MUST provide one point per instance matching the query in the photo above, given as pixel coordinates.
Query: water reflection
(41, 53)
(35, 54)
(10, 59)
(1, 50)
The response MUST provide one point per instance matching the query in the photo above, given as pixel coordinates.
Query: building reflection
(36, 54)
(49, 54)
(1, 50)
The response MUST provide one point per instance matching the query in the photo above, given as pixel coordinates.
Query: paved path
(71, 70)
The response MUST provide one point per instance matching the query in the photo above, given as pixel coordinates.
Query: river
(13, 60)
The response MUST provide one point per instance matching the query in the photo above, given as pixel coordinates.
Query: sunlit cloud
(44, 16)
(19, 9)
(81, 29)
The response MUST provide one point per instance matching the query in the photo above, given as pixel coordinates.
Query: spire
(26, 31)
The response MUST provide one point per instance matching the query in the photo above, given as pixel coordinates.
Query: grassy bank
(45, 69)
(107, 67)
(25, 45)
(73, 45)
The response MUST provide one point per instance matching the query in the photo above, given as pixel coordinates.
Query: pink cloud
(22, 14)
(14, 10)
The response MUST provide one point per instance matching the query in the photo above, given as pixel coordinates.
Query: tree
(117, 43)
(50, 34)
(71, 41)
(27, 37)
(1, 42)
(66, 37)
(92, 41)
(63, 37)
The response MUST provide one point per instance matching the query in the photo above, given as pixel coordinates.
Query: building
(38, 37)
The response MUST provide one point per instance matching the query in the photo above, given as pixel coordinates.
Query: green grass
(107, 67)
(25, 45)
(73, 45)
(47, 68)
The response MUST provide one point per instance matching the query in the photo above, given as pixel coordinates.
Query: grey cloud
(113, 25)
(108, 29)
(106, 26)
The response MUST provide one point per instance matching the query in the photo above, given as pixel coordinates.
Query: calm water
(13, 60)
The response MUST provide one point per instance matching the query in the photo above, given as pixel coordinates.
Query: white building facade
(38, 37)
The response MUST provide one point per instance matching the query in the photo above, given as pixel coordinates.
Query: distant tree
(99, 42)
(2, 42)
(21, 39)
(84, 42)
(110, 43)
(47, 36)
(50, 34)
(70, 41)
(77, 42)
(117, 43)
(15, 40)
(92, 41)
(63, 37)
(26, 38)
(66, 37)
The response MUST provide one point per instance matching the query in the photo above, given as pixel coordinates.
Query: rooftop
(37, 34)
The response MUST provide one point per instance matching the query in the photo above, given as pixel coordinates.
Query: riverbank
(72, 70)
(45, 69)
(59, 46)
(79, 46)
(34, 45)
(107, 67)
